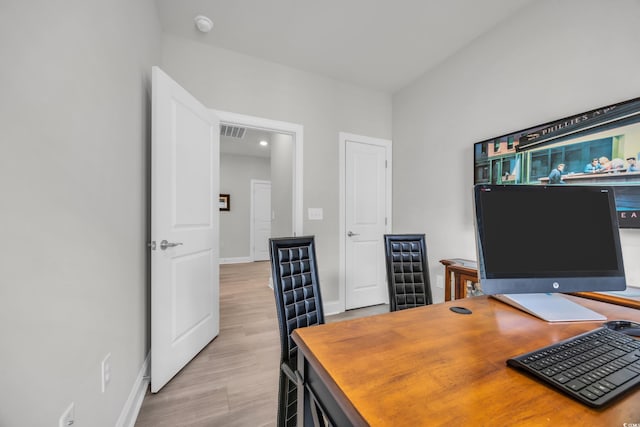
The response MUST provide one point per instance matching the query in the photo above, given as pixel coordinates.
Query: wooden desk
(430, 366)
(457, 273)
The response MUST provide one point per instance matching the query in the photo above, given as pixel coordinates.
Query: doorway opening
(281, 157)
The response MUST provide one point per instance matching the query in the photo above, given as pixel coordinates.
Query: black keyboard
(594, 367)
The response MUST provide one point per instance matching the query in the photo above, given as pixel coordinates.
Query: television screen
(598, 147)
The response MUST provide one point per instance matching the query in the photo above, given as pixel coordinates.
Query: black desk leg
(304, 413)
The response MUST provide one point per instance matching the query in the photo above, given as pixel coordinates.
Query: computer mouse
(460, 310)
(625, 326)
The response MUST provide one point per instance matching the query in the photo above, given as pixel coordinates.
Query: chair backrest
(407, 271)
(297, 289)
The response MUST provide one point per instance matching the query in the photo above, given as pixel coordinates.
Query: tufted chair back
(407, 271)
(298, 304)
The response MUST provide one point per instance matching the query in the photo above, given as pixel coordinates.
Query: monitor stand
(550, 307)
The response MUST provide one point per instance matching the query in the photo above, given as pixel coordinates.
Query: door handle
(351, 234)
(164, 245)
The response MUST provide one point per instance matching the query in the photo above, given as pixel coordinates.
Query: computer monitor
(537, 240)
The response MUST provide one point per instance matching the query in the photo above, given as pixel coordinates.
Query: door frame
(296, 132)
(252, 213)
(343, 138)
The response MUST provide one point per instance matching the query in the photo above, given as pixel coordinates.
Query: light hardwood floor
(233, 381)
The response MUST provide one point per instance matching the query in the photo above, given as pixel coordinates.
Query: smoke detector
(203, 23)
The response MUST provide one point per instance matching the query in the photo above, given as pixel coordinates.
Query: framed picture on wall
(224, 202)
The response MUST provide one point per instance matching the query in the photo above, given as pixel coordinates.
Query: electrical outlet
(106, 372)
(68, 417)
(439, 281)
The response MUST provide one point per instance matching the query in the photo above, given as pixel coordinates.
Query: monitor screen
(553, 238)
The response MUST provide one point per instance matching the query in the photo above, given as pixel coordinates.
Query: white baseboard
(132, 407)
(236, 260)
(332, 307)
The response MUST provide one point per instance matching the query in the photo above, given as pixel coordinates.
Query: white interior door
(184, 216)
(260, 219)
(365, 223)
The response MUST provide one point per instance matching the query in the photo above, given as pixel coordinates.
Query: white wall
(282, 185)
(236, 173)
(553, 59)
(74, 138)
(228, 81)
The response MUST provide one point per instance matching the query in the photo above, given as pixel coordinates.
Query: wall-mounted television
(597, 147)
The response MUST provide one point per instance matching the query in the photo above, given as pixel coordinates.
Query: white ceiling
(249, 144)
(378, 44)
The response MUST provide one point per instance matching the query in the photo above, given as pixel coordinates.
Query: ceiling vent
(232, 131)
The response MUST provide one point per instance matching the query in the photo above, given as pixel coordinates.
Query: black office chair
(407, 271)
(298, 304)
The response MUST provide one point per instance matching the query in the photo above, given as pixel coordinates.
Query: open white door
(366, 220)
(184, 228)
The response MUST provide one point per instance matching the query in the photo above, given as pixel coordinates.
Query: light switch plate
(315, 213)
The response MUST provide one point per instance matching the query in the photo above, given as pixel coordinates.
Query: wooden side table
(459, 272)
(462, 271)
